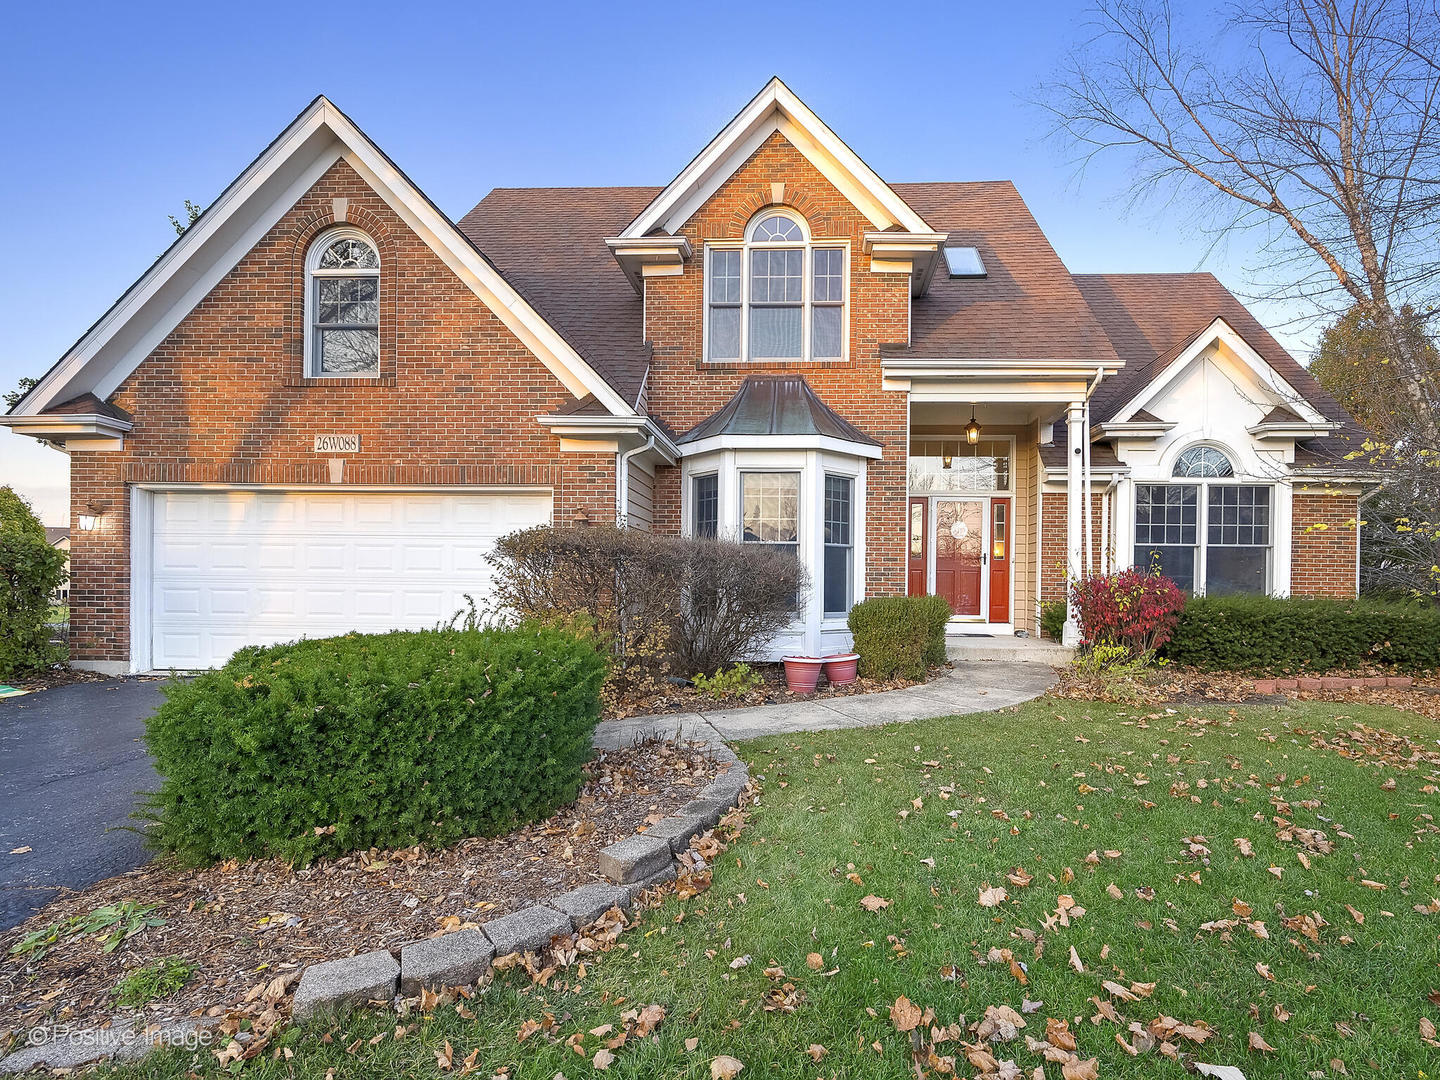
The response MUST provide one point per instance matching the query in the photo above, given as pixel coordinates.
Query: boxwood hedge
(899, 635)
(372, 740)
(1273, 634)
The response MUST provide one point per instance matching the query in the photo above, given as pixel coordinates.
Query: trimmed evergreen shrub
(31, 571)
(1052, 619)
(899, 636)
(322, 747)
(1311, 634)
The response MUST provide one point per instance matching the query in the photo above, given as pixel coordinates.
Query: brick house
(318, 409)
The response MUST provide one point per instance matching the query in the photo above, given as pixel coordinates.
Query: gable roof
(1027, 305)
(248, 208)
(775, 108)
(1154, 319)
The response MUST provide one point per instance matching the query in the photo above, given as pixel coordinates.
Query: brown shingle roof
(85, 404)
(1027, 305)
(550, 245)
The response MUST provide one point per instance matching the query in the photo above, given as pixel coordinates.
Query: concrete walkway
(971, 687)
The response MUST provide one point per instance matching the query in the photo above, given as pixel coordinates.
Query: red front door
(959, 552)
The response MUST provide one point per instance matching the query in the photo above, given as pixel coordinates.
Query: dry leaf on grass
(873, 903)
(725, 1067)
(1258, 1043)
(816, 1051)
(905, 1014)
(992, 897)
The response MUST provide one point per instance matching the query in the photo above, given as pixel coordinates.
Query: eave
(649, 256)
(603, 433)
(1135, 429)
(1292, 430)
(92, 430)
(916, 253)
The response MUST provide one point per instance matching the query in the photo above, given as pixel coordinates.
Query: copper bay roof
(776, 405)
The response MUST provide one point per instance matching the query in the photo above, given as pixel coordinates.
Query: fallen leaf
(869, 903)
(725, 1067)
(816, 1051)
(20, 850)
(1075, 1069)
(905, 1014)
(1265, 972)
(1258, 1043)
(814, 961)
(603, 1059)
(992, 897)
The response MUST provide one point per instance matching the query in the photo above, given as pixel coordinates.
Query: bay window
(1212, 535)
(776, 295)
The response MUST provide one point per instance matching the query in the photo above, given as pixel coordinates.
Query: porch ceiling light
(972, 429)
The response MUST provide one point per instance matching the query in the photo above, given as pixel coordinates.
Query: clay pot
(802, 673)
(842, 668)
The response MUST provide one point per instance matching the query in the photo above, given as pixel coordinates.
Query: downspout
(1107, 512)
(1087, 512)
(622, 477)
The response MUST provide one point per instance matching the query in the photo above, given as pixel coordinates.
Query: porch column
(1074, 503)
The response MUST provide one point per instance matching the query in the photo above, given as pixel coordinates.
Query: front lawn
(1192, 840)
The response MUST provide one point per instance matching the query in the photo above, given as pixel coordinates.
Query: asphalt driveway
(72, 761)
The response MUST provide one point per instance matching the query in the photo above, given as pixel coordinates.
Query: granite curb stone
(678, 828)
(458, 959)
(529, 928)
(634, 858)
(587, 903)
(335, 985)
(659, 878)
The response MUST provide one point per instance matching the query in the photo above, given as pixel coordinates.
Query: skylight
(964, 262)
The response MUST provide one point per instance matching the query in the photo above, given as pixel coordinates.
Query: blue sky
(117, 113)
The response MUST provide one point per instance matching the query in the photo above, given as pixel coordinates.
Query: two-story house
(318, 409)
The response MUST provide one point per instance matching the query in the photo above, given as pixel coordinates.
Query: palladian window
(342, 305)
(1212, 535)
(779, 295)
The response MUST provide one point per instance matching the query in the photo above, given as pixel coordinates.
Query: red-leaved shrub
(1136, 609)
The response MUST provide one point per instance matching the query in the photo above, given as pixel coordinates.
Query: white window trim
(807, 305)
(317, 249)
(1203, 524)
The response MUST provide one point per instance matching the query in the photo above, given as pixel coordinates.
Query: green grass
(157, 980)
(837, 803)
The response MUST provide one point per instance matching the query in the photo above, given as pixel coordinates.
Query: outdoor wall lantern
(972, 429)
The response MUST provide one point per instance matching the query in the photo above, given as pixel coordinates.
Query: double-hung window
(779, 295)
(1210, 535)
(839, 567)
(705, 492)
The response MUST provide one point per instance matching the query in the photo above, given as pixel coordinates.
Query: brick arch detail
(302, 237)
(796, 200)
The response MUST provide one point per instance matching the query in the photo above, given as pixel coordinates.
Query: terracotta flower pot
(802, 673)
(842, 668)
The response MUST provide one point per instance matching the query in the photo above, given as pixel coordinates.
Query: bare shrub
(656, 604)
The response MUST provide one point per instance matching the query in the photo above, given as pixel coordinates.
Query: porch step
(966, 647)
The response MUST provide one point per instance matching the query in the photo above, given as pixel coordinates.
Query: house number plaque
(337, 444)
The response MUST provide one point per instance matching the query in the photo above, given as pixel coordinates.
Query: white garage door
(235, 568)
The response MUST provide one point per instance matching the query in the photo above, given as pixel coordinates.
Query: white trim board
(320, 136)
(775, 108)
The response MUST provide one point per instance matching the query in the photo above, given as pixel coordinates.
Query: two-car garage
(233, 567)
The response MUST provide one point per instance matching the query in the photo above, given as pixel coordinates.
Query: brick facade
(684, 389)
(1323, 538)
(224, 399)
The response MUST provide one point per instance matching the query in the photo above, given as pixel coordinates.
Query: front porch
(975, 481)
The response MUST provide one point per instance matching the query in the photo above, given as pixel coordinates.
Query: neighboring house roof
(1151, 319)
(55, 534)
(550, 245)
(1026, 306)
(86, 404)
(776, 405)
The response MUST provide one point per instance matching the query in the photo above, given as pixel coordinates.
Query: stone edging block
(458, 959)
(587, 903)
(529, 928)
(337, 984)
(634, 858)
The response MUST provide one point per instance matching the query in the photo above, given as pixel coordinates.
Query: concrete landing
(1008, 650)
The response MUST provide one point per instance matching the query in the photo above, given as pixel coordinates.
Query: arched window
(1204, 462)
(1211, 533)
(776, 295)
(342, 305)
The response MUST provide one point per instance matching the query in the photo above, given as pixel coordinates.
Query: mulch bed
(49, 678)
(265, 920)
(676, 697)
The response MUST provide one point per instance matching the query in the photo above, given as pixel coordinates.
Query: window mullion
(807, 270)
